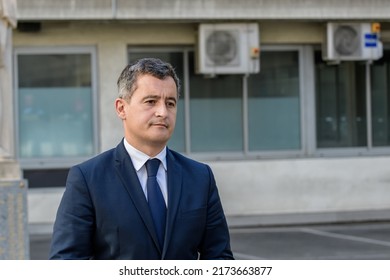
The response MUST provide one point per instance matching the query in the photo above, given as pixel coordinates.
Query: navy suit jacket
(104, 214)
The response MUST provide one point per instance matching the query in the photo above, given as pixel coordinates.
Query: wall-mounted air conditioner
(352, 41)
(228, 49)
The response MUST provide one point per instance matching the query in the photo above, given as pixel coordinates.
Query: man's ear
(120, 108)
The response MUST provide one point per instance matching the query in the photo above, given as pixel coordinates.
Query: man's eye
(171, 104)
(150, 101)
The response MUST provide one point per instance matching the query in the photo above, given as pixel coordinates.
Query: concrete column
(14, 241)
(9, 168)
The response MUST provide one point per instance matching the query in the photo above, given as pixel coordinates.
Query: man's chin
(160, 140)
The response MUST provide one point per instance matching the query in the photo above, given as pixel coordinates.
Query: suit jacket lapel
(129, 178)
(174, 176)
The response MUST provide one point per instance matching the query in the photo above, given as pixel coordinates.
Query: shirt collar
(139, 158)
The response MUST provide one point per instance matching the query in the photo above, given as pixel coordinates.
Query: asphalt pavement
(357, 241)
(351, 241)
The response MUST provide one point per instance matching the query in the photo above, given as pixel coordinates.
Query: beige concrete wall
(303, 185)
(90, 32)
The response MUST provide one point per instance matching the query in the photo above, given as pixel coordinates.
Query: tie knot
(152, 167)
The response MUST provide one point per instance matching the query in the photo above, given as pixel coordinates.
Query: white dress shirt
(139, 159)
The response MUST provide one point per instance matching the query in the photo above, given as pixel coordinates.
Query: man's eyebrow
(151, 96)
(159, 97)
(172, 98)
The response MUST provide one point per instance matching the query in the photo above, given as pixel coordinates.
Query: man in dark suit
(116, 207)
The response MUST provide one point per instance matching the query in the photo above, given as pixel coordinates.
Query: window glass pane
(380, 77)
(340, 104)
(216, 112)
(55, 105)
(273, 103)
(177, 141)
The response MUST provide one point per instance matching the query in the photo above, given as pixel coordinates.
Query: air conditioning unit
(352, 41)
(228, 49)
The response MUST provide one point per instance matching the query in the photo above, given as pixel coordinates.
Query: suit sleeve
(74, 225)
(216, 241)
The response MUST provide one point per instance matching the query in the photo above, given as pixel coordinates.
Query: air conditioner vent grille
(346, 40)
(222, 48)
(228, 49)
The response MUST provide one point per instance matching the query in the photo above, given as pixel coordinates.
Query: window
(274, 103)
(216, 112)
(341, 104)
(342, 97)
(55, 104)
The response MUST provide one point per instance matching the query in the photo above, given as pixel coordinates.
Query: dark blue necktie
(155, 199)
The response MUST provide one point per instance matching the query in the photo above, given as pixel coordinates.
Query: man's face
(150, 114)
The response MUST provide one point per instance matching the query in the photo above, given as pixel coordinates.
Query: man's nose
(161, 109)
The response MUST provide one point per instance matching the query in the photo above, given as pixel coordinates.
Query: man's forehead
(156, 86)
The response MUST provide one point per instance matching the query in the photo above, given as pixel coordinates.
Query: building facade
(304, 138)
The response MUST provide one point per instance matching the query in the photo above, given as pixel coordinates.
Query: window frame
(56, 162)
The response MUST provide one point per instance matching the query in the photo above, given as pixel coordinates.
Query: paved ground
(370, 241)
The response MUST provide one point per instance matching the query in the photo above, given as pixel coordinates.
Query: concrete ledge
(202, 10)
(308, 218)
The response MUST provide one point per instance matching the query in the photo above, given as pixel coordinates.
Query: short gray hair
(127, 81)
